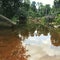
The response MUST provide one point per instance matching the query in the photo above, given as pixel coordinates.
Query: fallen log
(5, 19)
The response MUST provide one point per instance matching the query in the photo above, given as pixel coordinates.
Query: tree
(22, 13)
(10, 7)
(40, 9)
(57, 19)
(43, 10)
(47, 9)
(57, 5)
(27, 1)
(14, 9)
(32, 10)
(33, 6)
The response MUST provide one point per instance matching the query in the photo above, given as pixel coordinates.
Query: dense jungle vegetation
(25, 12)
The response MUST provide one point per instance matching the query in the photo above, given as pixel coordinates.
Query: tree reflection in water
(11, 47)
(55, 37)
(55, 34)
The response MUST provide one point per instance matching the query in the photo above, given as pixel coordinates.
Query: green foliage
(43, 10)
(19, 10)
(10, 7)
(47, 9)
(57, 6)
(31, 13)
(23, 13)
(14, 18)
(43, 21)
(33, 6)
(57, 3)
(57, 19)
(14, 9)
(27, 1)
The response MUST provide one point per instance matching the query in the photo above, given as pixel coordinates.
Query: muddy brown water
(12, 47)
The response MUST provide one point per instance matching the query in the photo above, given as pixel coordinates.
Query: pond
(30, 44)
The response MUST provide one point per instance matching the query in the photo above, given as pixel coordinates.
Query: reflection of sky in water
(44, 42)
(37, 40)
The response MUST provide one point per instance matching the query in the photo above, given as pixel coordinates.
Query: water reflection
(54, 33)
(55, 37)
(32, 44)
(41, 46)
